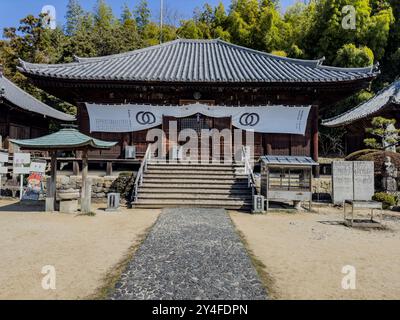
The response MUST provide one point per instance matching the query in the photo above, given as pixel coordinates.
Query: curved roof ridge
(392, 98)
(300, 61)
(363, 69)
(16, 95)
(126, 54)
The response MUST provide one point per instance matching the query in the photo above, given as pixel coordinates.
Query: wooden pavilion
(210, 72)
(68, 139)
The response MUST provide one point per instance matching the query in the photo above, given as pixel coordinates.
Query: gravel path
(191, 254)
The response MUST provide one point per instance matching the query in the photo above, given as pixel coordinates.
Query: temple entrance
(196, 124)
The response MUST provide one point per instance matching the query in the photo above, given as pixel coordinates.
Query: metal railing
(141, 172)
(248, 170)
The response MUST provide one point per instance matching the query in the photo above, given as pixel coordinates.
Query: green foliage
(73, 17)
(351, 56)
(123, 184)
(388, 200)
(142, 15)
(385, 130)
(356, 155)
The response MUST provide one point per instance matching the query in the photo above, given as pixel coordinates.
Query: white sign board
(3, 157)
(364, 180)
(342, 181)
(21, 163)
(38, 166)
(352, 181)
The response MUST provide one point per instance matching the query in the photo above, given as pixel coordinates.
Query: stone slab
(364, 180)
(342, 181)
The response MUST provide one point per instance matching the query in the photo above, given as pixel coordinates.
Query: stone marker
(342, 181)
(113, 202)
(69, 200)
(364, 180)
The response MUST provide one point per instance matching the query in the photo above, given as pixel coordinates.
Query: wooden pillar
(75, 166)
(51, 197)
(86, 194)
(315, 138)
(109, 171)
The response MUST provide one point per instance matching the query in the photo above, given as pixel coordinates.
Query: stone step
(245, 207)
(196, 172)
(195, 190)
(196, 185)
(211, 177)
(192, 196)
(227, 204)
(194, 180)
(194, 167)
(195, 164)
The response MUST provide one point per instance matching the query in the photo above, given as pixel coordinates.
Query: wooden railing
(248, 170)
(140, 174)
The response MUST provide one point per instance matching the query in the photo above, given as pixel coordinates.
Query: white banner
(262, 119)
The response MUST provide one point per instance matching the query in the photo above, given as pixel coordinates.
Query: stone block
(69, 206)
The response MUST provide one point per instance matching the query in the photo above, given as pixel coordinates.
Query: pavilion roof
(65, 139)
(198, 61)
(25, 101)
(388, 96)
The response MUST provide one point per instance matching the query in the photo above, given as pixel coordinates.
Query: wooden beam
(315, 137)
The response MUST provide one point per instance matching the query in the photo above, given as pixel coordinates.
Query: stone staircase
(194, 185)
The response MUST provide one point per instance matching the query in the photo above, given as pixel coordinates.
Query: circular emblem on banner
(145, 118)
(249, 119)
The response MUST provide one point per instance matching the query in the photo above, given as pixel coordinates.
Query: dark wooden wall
(356, 134)
(318, 95)
(16, 123)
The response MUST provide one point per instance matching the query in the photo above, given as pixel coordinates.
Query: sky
(14, 10)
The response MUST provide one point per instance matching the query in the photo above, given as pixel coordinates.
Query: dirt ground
(82, 249)
(304, 255)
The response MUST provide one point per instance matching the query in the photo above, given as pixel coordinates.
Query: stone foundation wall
(101, 186)
(322, 185)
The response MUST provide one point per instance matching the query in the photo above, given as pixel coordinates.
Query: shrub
(123, 184)
(356, 155)
(387, 200)
(379, 159)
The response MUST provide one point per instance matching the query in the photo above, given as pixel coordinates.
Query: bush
(123, 184)
(387, 200)
(356, 155)
(379, 159)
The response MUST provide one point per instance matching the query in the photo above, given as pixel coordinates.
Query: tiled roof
(389, 95)
(64, 139)
(288, 160)
(23, 100)
(208, 61)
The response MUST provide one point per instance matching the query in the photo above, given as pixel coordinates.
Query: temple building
(385, 103)
(202, 84)
(22, 116)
